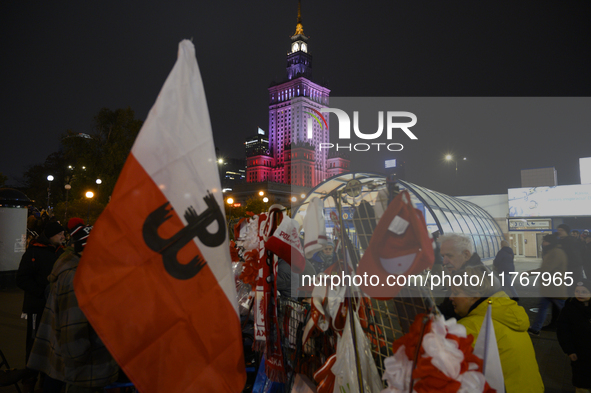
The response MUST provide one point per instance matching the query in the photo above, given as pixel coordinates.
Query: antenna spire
(299, 26)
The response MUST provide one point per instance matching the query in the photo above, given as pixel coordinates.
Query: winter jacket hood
(504, 311)
(516, 351)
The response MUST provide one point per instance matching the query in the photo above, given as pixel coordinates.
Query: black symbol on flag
(197, 227)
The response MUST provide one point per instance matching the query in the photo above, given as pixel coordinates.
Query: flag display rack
(382, 321)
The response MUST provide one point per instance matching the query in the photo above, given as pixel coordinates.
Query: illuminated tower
(294, 120)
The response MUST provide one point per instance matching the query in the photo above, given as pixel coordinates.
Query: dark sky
(62, 62)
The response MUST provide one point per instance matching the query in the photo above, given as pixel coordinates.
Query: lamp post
(230, 202)
(449, 157)
(89, 195)
(265, 199)
(49, 180)
(98, 184)
(67, 187)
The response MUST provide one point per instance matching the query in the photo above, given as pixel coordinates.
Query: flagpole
(345, 268)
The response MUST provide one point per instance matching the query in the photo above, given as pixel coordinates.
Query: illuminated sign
(390, 164)
(574, 200)
(516, 224)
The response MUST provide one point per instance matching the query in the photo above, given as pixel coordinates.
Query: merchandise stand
(352, 219)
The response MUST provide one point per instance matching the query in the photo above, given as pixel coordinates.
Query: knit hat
(52, 229)
(79, 236)
(74, 222)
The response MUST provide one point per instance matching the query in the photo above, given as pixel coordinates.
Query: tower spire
(299, 26)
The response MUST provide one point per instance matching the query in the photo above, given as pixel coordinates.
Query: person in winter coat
(323, 258)
(36, 264)
(504, 264)
(67, 348)
(571, 247)
(554, 261)
(510, 321)
(574, 335)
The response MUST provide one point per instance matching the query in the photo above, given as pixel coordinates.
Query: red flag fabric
(400, 245)
(155, 279)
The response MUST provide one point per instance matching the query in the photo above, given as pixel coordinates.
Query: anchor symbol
(197, 227)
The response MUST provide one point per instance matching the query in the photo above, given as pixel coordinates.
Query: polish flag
(155, 280)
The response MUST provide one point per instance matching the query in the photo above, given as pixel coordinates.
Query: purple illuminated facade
(295, 134)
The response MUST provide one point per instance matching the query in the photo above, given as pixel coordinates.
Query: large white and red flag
(155, 280)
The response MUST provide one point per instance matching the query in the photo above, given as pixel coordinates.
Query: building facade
(296, 125)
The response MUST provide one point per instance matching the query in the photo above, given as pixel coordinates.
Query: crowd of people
(64, 352)
(563, 251)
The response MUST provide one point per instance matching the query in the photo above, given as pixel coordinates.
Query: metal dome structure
(443, 213)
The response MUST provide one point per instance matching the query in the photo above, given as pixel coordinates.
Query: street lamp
(49, 180)
(303, 196)
(230, 202)
(294, 199)
(261, 193)
(67, 187)
(98, 183)
(449, 157)
(265, 199)
(89, 195)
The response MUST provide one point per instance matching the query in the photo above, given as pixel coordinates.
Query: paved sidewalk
(554, 365)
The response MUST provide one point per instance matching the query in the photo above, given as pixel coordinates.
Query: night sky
(63, 61)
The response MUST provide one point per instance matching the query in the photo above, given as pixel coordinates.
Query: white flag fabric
(486, 348)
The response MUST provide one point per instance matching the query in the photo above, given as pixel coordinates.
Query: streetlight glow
(99, 181)
(265, 199)
(294, 199)
(49, 180)
(89, 195)
(261, 193)
(303, 196)
(449, 157)
(220, 160)
(230, 201)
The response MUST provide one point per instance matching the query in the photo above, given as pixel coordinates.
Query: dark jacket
(446, 307)
(574, 336)
(554, 262)
(504, 260)
(571, 246)
(67, 348)
(36, 264)
(321, 262)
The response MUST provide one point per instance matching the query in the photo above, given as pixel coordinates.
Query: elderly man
(458, 253)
